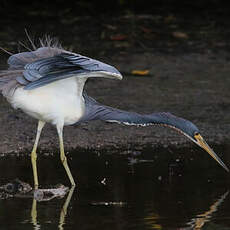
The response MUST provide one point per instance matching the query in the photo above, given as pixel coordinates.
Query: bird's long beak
(202, 143)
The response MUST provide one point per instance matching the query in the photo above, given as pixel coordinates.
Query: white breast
(60, 101)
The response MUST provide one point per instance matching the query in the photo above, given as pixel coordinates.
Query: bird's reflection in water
(63, 211)
(196, 223)
(34, 215)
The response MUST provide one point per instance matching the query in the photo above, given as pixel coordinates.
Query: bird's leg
(62, 154)
(34, 154)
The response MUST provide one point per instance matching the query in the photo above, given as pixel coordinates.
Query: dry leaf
(169, 19)
(110, 27)
(178, 34)
(122, 44)
(146, 30)
(140, 72)
(118, 37)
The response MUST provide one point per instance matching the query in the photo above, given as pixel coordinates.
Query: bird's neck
(97, 111)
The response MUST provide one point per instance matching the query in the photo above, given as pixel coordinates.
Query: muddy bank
(193, 86)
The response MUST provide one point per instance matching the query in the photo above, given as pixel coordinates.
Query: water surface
(134, 191)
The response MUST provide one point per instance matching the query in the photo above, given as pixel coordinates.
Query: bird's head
(199, 140)
(192, 132)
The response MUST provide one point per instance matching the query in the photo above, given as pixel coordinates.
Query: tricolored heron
(48, 84)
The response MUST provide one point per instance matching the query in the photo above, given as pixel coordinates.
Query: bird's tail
(48, 47)
(8, 83)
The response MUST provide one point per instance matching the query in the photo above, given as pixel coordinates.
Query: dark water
(188, 191)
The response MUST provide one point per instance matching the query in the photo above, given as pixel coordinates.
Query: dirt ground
(188, 76)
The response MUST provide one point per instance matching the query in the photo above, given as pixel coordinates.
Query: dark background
(94, 7)
(93, 27)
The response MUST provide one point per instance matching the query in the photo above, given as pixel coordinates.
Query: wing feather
(48, 64)
(63, 66)
(21, 80)
(31, 75)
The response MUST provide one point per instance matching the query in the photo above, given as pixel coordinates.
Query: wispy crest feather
(48, 41)
(45, 41)
(11, 79)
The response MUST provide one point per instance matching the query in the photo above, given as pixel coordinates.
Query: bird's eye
(196, 134)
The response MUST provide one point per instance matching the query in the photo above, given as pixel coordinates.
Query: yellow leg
(34, 154)
(62, 155)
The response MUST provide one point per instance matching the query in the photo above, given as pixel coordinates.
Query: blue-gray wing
(65, 65)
